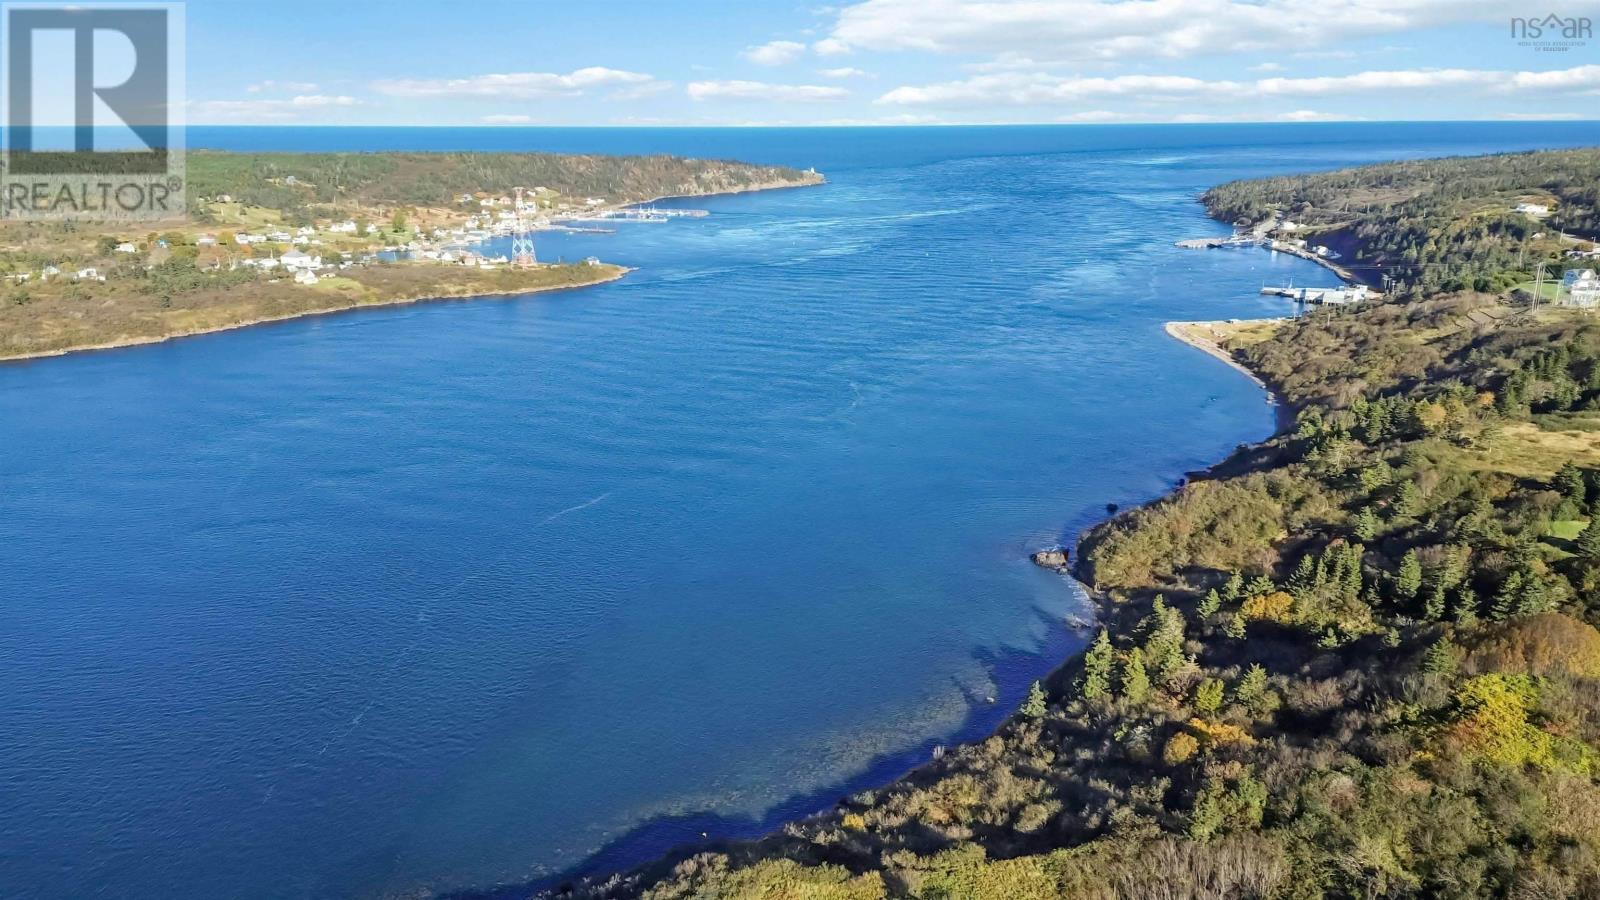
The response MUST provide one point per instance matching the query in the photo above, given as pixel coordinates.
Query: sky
(884, 62)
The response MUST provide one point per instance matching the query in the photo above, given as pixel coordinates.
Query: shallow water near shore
(459, 594)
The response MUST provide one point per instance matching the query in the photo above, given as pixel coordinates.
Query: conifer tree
(1407, 499)
(1233, 588)
(1135, 680)
(1569, 482)
(1097, 662)
(1366, 525)
(1208, 696)
(1409, 579)
(1441, 658)
(1035, 706)
(1209, 604)
(1163, 646)
(1433, 606)
(1466, 607)
(1589, 539)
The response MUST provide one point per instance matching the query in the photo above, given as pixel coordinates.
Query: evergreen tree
(1466, 607)
(1233, 588)
(1589, 539)
(1034, 707)
(1251, 691)
(1236, 627)
(1409, 579)
(1433, 606)
(1441, 658)
(1259, 586)
(1163, 646)
(1407, 499)
(1570, 483)
(1505, 602)
(1209, 604)
(1366, 525)
(1097, 662)
(1208, 696)
(1304, 577)
(1135, 680)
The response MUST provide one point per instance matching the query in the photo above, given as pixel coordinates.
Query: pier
(1238, 240)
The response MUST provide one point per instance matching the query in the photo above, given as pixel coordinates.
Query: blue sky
(690, 62)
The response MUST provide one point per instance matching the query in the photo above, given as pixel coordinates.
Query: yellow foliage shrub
(1492, 724)
(1277, 606)
(1180, 748)
(1212, 734)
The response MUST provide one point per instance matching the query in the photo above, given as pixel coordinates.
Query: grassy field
(67, 317)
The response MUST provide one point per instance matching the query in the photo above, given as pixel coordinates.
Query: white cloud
(775, 53)
(1090, 116)
(1310, 115)
(757, 90)
(507, 119)
(1024, 89)
(525, 85)
(274, 110)
(1079, 29)
(1267, 67)
(845, 72)
(293, 87)
(1542, 116)
(1033, 88)
(830, 47)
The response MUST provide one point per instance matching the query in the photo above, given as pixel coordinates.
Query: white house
(345, 227)
(281, 237)
(126, 247)
(49, 272)
(372, 229)
(88, 274)
(1536, 210)
(305, 276)
(1580, 287)
(206, 240)
(295, 260)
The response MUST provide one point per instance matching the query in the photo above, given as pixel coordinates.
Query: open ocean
(480, 592)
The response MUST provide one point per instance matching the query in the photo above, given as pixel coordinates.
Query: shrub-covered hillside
(1437, 223)
(328, 184)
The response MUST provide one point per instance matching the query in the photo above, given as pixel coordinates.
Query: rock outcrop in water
(1056, 559)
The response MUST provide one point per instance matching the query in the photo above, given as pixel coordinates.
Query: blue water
(467, 593)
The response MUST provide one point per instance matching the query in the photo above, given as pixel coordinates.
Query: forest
(336, 185)
(1357, 660)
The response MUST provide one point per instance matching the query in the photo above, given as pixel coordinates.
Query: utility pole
(521, 239)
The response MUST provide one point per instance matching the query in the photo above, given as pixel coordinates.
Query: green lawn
(1567, 530)
(1550, 290)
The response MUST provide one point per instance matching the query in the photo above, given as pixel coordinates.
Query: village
(1577, 287)
(308, 254)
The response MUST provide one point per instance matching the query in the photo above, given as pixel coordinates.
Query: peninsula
(1359, 659)
(273, 236)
